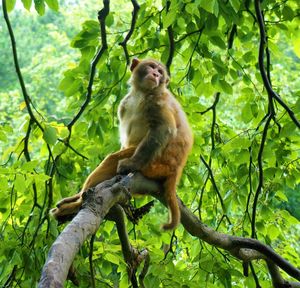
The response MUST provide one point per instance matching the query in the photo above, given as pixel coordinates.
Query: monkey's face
(148, 75)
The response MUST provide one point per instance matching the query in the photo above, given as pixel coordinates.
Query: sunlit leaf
(53, 4)
(10, 4)
(27, 4)
(39, 6)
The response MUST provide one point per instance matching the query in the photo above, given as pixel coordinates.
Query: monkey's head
(148, 75)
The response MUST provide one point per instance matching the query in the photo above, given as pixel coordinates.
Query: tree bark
(98, 202)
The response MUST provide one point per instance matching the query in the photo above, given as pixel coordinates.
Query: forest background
(242, 177)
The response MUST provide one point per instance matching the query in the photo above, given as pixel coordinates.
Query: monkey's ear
(167, 80)
(134, 63)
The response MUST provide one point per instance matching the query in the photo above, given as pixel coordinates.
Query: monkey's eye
(160, 71)
(152, 66)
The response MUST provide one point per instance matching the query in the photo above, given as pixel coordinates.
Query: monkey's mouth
(154, 80)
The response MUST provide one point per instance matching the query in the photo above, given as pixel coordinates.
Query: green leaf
(109, 21)
(225, 86)
(169, 19)
(52, 4)
(215, 80)
(30, 166)
(220, 66)
(39, 6)
(273, 232)
(181, 22)
(20, 183)
(288, 129)
(235, 5)
(281, 196)
(247, 113)
(65, 83)
(212, 22)
(288, 13)
(10, 4)
(112, 258)
(3, 136)
(254, 109)
(216, 40)
(296, 44)
(211, 6)
(189, 8)
(248, 57)
(50, 135)
(27, 4)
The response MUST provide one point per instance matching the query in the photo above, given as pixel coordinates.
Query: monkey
(155, 139)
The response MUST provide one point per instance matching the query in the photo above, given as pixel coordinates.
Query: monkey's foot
(135, 214)
(66, 209)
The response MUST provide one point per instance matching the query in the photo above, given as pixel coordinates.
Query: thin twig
(136, 8)
(17, 66)
(214, 184)
(265, 79)
(102, 14)
(171, 42)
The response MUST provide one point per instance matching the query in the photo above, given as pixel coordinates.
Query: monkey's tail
(171, 199)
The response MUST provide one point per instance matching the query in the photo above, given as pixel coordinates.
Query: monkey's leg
(106, 170)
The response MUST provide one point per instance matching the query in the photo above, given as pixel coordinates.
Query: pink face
(148, 74)
(155, 75)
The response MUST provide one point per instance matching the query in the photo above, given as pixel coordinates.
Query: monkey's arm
(162, 127)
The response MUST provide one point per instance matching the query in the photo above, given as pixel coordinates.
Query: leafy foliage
(216, 53)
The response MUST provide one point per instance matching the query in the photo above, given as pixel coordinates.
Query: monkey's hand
(126, 166)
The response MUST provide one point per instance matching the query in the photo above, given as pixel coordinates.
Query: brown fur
(155, 138)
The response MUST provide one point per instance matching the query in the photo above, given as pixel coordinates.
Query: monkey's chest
(133, 123)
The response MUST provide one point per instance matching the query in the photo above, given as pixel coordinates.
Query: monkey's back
(176, 152)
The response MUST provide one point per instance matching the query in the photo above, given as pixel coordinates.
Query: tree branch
(102, 14)
(245, 249)
(132, 256)
(136, 8)
(263, 40)
(97, 204)
(17, 67)
(85, 223)
(171, 42)
(212, 179)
